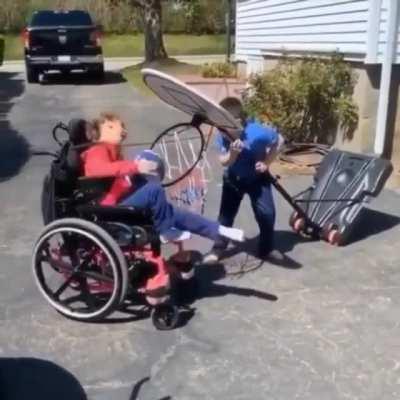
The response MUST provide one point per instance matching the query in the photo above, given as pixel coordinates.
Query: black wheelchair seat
(78, 142)
(77, 131)
(67, 193)
(93, 188)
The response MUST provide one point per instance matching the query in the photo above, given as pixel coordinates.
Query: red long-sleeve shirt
(103, 160)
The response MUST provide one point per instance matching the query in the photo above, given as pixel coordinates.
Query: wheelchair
(91, 260)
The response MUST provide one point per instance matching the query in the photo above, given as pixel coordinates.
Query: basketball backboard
(184, 98)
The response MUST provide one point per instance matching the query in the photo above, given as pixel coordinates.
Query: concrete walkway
(117, 63)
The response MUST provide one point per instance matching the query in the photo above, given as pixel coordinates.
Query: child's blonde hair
(94, 129)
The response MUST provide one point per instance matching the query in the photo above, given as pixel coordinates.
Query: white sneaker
(211, 258)
(174, 235)
(235, 234)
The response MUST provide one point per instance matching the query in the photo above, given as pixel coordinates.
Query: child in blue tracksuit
(246, 161)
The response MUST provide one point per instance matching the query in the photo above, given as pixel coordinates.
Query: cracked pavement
(328, 329)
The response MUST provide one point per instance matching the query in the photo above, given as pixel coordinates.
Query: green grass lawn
(13, 47)
(170, 66)
(133, 45)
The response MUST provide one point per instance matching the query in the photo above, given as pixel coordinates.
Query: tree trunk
(154, 43)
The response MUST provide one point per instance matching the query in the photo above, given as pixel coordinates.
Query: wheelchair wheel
(165, 317)
(79, 269)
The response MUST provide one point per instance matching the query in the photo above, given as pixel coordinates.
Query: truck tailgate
(58, 41)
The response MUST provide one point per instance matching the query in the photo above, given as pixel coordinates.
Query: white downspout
(386, 75)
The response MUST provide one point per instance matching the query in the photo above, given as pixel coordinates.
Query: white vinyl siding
(301, 25)
(383, 25)
(356, 28)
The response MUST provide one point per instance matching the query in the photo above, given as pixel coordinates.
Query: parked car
(62, 41)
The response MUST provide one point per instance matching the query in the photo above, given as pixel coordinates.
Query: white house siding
(269, 26)
(383, 24)
(356, 28)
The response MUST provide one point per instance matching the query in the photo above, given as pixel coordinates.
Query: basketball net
(190, 192)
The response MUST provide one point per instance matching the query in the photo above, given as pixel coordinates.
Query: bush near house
(306, 99)
(218, 70)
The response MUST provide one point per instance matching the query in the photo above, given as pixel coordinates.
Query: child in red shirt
(104, 159)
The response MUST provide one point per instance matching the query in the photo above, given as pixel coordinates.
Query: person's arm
(228, 151)
(97, 163)
(231, 155)
(271, 153)
(226, 159)
(274, 150)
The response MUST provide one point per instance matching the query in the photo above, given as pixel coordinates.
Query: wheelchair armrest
(95, 184)
(117, 213)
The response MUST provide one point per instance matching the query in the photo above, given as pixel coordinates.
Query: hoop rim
(199, 155)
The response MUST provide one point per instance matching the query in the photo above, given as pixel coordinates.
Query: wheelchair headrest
(77, 130)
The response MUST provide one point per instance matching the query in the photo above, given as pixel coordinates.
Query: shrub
(218, 70)
(13, 15)
(306, 99)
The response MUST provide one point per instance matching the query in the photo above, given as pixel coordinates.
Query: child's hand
(261, 167)
(236, 147)
(146, 167)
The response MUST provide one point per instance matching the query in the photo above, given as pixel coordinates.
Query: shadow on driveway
(208, 276)
(14, 148)
(372, 222)
(137, 387)
(37, 379)
(285, 242)
(31, 378)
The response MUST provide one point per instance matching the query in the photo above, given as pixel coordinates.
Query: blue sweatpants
(262, 203)
(151, 195)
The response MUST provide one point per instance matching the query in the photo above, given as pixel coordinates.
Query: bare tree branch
(138, 3)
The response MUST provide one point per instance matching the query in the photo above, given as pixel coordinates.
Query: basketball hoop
(190, 192)
(187, 169)
(183, 146)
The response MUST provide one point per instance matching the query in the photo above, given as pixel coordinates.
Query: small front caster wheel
(165, 317)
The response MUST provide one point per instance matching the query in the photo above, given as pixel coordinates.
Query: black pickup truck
(62, 41)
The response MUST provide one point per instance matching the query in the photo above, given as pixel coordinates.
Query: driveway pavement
(325, 327)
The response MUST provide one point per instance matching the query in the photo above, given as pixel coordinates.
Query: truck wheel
(32, 75)
(98, 73)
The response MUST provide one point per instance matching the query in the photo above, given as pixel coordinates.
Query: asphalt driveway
(325, 326)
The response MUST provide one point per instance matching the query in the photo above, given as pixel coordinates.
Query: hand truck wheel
(332, 235)
(297, 222)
